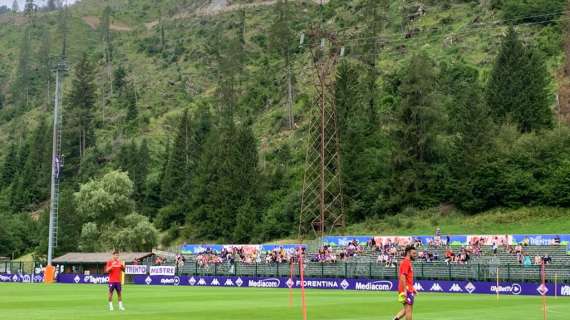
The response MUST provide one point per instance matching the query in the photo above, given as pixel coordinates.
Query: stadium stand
(362, 261)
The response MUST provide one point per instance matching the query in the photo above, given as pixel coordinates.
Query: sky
(21, 2)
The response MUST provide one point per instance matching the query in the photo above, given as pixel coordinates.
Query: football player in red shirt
(115, 270)
(406, 290)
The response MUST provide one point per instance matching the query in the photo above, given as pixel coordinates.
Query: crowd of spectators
(461, 257)
(524, 258)
(387, 250)
(246, 255)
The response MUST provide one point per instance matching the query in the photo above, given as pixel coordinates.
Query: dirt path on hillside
(94, 22)
(217, 7)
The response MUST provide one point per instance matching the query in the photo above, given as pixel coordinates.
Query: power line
(478, 26)
(426, 34)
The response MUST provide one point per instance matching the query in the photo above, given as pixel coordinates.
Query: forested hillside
(179, 125)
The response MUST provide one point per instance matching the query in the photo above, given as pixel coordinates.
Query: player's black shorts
(115, 286)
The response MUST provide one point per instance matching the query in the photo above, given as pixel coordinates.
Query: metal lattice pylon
(322, 200)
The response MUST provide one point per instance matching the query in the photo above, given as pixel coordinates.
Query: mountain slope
(187, 55)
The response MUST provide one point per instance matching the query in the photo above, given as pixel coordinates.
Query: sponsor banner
(247, 249)
(536, 239)
(286, 247)
(198, 249)
(565, 290)
(402, 240)
(135, 269)
(488, 240)
(82, 279)
(344, 241)
(453, 240)
(162, 271)
(543, 240)
(463, 287)
(23, 278)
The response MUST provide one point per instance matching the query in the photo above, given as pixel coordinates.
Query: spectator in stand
(557, 240)
(387, 245)
(547, 259)
(449, 255)
(526, 242)
(180, 260)
(520, 257)
(393, 251)
(421, 256)
(390, 262)
(371, 243)
(381, 259)
(537, 260)
(159, 261)
(495, 247)
(476, 251)
(526, 261)
(417, 243)
(436, 238)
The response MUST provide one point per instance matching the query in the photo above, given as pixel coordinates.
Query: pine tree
(63, 29)
(37, 168)
(19, 192)
(472, 129)
(213, 196)
(516, 90)
(535, 114)
(142, 166)
(281, 37)
(230, 64)
(119, 79)
(131, 104)
(132, 151)
(22, 87)
(45, 65)
(15, 7)
(124, 158)
(177, 172)
(226, 181)
(201, 128)
(9, 167)
(246, 161)
(80, 133)
(247, 219)
(105, 29)
(363, 175)
(415, 133)
(30, 8)
(469, 115)
(51, 5)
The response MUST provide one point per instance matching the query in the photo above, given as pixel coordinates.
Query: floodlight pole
(56, 161)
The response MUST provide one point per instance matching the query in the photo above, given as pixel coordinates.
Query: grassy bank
(499, 221)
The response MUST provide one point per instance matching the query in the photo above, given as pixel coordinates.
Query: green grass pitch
(63, 302)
